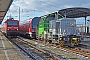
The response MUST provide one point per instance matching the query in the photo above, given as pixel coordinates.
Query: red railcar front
(28, 28)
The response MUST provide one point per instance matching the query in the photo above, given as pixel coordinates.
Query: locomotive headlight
(8, 29)
(17, 29)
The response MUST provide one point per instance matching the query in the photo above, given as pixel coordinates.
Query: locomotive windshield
(10, 23)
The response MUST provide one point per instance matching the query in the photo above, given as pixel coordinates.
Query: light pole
(88, 25)
(19, 13)
(85, 26)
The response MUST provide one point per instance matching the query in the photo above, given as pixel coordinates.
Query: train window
(12, 23)
(34, 26)
(9, 23)
(15, 23)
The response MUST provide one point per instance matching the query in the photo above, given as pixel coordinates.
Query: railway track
(76, 50)
(82, 53)
(32, 51)
(84, 46)
(23, 50)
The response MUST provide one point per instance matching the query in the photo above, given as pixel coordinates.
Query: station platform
(8, 51)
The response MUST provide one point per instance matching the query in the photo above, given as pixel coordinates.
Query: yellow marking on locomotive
(76, 41)
(74, 38)
(61, 42)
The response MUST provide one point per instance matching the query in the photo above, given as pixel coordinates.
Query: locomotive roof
(4, 6)
(75, 12)
(10, 20)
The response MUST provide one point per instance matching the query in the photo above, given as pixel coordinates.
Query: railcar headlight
(17, 29)
(8, 29)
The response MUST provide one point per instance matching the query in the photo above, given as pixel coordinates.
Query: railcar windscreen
(12, 23)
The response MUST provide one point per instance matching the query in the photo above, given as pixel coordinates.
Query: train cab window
(12, 23)
(15, 23)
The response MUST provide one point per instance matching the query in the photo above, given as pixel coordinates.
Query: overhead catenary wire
(49, 4)
(49, 8)
(39, 8)
(34, 10)
(20, 4)
(15, 9)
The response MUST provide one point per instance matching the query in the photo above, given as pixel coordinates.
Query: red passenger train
(28, 28)
(10, 27)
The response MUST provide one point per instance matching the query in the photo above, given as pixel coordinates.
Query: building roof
(75, 12)
(4, 6)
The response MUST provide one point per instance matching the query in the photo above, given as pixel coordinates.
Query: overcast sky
(36, 8)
